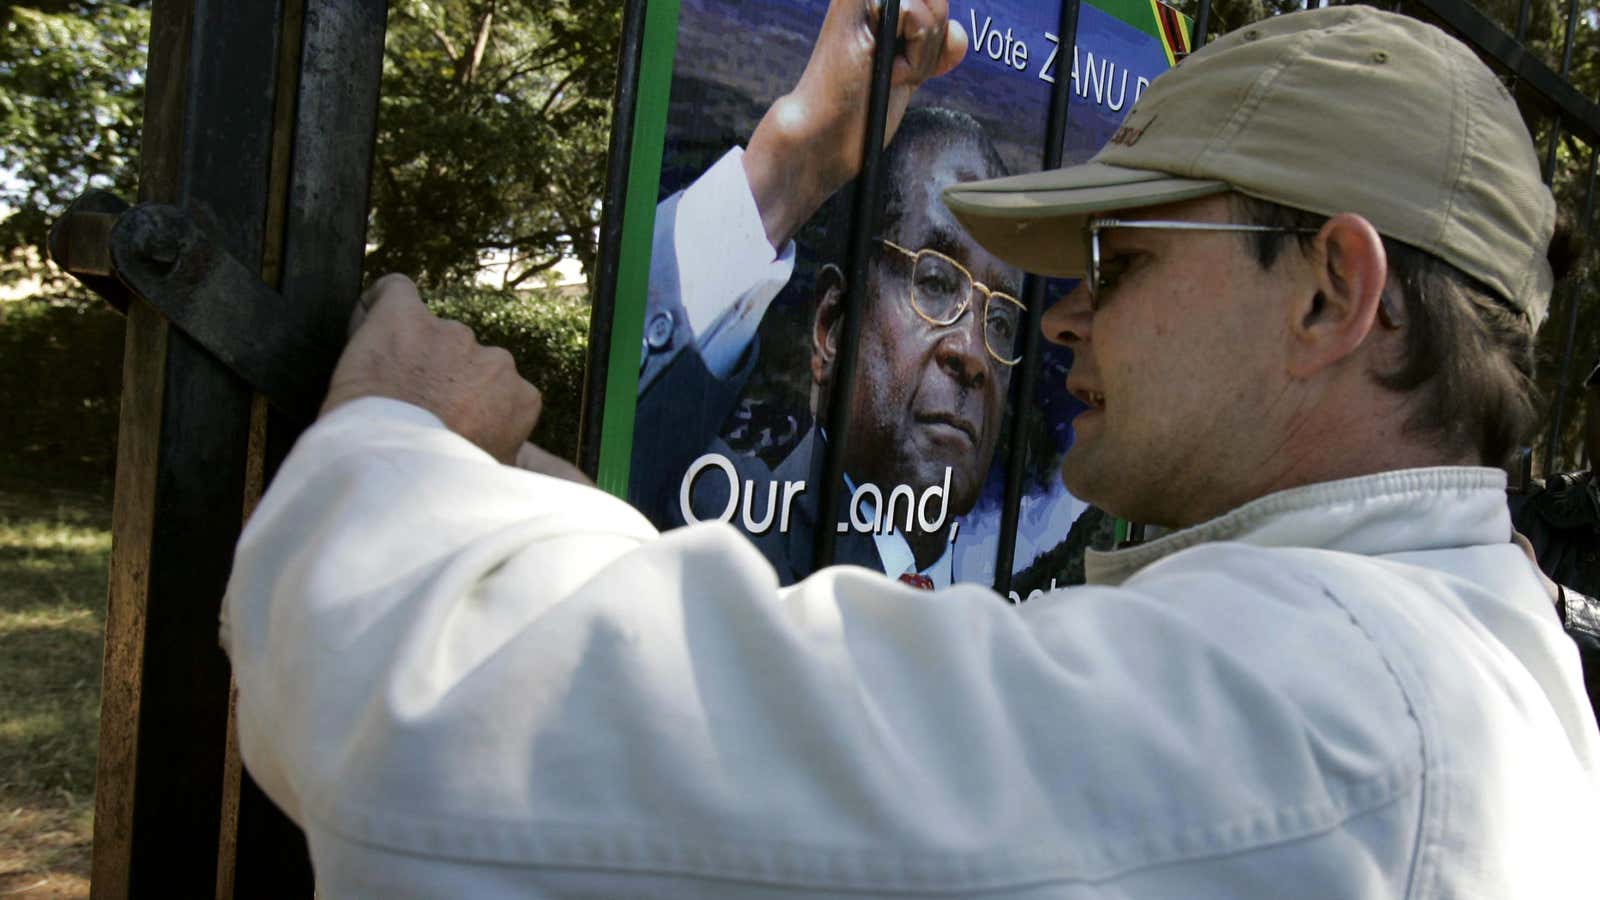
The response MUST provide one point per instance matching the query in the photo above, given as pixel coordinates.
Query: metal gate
(256, 115)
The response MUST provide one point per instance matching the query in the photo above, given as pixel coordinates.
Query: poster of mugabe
(740, 325)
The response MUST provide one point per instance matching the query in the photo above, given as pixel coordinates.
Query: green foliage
(71, 98)
(547, 334)
(492, 136)
(60, 387)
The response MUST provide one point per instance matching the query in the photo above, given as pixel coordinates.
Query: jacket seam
(650, 850)
(1417, 875)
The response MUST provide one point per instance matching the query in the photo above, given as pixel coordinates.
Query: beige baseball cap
(1345, 109)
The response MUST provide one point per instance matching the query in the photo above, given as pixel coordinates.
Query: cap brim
(1035, 221)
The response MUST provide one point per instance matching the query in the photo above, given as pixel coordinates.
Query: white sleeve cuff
(727, 269)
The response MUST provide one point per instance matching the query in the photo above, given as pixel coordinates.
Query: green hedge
(61, 375)
(60, 388)
(549, 336)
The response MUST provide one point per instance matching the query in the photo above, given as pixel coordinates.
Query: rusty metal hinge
(156, 253)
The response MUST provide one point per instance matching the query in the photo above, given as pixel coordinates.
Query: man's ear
(1350, 271)
(825, 325)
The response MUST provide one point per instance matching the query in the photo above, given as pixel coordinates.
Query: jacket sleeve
(456, 675)
(712, 276)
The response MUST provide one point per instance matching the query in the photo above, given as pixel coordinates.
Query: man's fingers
(930, 43)
(393, 295)
(955, 48)
(537, 459)
(392, 290)
(529, 403)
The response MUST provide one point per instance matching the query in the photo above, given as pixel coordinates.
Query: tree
(492, 137)
(71, 98)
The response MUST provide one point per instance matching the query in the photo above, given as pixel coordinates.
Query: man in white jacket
(1336, 677)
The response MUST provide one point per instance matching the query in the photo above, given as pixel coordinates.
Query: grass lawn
(53, 549)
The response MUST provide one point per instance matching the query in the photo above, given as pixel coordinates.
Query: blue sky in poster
(1111, 58)
(757, 48)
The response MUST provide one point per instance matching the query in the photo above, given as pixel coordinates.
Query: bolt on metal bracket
(158, 254)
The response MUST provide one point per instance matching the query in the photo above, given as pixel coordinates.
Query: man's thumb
(393, 290)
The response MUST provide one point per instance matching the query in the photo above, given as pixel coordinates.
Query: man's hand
(399, 349)
(810, 142)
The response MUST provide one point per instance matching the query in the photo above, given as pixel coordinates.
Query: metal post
(1202, 22)
(1584, 225)
(1022, 418)
(1566, 71)
(181, 465)
(624, 103)
(259, 127)
(329, 122)
(1522, 20)
(864, 215)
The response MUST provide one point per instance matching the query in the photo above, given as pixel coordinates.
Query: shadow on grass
(41, 579)
(54, 546)
(51, 717)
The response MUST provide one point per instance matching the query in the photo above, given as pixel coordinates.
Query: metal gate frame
(256, 117)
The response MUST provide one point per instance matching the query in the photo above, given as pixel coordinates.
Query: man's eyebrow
(952, 243)
(944, 239)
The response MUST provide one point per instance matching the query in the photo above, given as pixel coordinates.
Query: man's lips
(1091, 397)
(952, 420)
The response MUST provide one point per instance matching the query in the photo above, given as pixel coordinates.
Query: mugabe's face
(930, 396)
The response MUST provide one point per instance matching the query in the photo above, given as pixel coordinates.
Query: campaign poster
(738, 327)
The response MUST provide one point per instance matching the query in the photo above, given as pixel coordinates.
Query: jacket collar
(1391, 512)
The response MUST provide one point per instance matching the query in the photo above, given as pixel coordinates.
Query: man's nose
(961, 350)
(1068, 321)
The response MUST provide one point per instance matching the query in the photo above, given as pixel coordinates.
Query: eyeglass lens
(939, 290)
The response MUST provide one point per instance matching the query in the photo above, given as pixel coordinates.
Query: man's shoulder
(1398, 621)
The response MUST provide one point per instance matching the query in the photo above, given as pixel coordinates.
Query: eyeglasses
(1101, 281)
(941, 291)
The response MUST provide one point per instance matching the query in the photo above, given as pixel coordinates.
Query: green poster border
(660, 46)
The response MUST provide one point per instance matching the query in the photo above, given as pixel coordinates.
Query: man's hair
(934, 129)
(1468, 354)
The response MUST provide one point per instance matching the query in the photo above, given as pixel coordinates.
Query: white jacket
(465, 680)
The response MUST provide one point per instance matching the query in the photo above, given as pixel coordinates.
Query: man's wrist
(790, 167)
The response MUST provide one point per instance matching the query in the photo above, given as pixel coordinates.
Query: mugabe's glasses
(1102, 278)
(941, 292)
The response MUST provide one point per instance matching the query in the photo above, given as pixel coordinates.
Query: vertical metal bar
(1566, 49)
(625, 98)
(1522, 20)
(1584, 225)
(134, 503)
(864, 214)
(236, 783)
(1024, 414)
(1566, 71)
(1548, 169)
(338, 72)
(1202, 22)
(179, 501)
